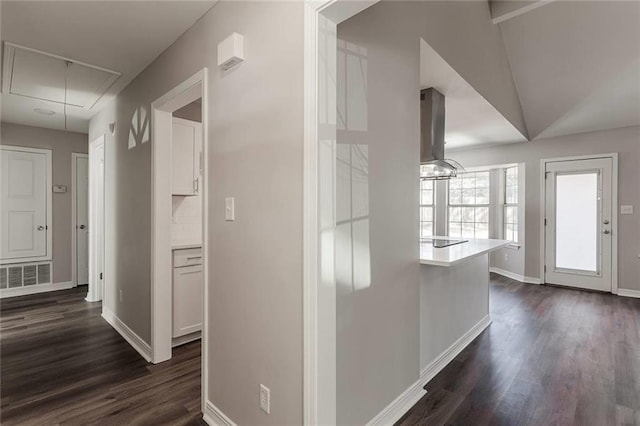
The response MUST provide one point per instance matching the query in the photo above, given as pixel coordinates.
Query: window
(510, 207)
(426, 208)
(469, 205)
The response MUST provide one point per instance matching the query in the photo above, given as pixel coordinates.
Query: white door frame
(95, 291)
(186, 92)
(49, 229)
(74, 238)
(614, 216)
(319, 368)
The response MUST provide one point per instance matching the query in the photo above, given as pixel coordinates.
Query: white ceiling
(576, 65)
(469, 118)
(123, 36)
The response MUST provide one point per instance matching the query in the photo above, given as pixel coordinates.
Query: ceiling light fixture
(44, 111)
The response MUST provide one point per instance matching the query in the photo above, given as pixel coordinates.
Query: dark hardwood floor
(61, 363)
(552, 356)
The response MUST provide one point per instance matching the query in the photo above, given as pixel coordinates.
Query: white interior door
(578, 215)
(82, 219)
(23, 204)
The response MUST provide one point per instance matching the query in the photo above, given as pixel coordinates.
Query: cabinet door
(186, 140)
(187, 300)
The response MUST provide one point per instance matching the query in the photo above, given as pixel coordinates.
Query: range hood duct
(433, 165)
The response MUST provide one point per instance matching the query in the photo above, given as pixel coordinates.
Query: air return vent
(13, 276)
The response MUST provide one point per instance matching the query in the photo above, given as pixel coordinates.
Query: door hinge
(545, 268)
(545, 221)
(100, 275)
(195, 185)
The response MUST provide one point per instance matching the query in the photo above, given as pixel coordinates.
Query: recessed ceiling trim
(8, 69)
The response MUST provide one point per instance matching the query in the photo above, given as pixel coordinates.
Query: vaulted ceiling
(576, 64)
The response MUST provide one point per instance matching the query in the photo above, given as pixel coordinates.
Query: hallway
(62, 363)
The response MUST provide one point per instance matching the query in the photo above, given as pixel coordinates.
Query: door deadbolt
(82, 226)
(606, 222)
(40, 228)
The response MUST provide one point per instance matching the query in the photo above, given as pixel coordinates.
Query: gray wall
(255, 154)
(62, 144)
(377, 267)
(624, 141)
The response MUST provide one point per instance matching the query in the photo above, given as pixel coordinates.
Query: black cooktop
(440, 243)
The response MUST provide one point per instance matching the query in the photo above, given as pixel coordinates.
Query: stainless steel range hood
(433, 165)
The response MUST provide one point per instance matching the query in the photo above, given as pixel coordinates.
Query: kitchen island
(454, 299)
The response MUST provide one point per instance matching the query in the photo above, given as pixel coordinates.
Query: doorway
(80, 217)
(580, 222)
(164, 258)
(96, 219)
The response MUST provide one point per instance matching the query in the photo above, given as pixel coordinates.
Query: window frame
(427, 206)
(506, 204)
(463, 205)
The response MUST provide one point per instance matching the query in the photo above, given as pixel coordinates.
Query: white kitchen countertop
(184, 245)
(452, 255)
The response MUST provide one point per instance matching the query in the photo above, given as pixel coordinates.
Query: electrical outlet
(506, 256)
(265, 399)
(120, 295)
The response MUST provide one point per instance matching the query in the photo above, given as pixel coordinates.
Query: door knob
(82, 227)
(606, 231)
(40, 228)
(606, 222)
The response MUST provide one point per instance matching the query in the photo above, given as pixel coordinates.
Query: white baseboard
(34, 289)
(514, 276)
(129, 335)
(438, 364)
(629, 293)
(177, 341)
(399, 406)
(403, 403)
(214, 417)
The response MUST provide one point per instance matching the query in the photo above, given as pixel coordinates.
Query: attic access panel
(34, 74)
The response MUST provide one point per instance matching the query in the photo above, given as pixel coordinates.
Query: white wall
(624, 141)
(377, 266)
(61, 144)
(255, 155)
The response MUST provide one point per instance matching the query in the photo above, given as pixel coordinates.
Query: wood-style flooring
(61, 363)
(552, 356)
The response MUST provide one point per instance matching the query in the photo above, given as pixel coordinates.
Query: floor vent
(23, 275)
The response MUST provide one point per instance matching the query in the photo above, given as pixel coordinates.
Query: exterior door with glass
(578, 223)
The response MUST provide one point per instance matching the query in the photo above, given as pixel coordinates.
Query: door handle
(40, 228)
(82, 226)
(606, 222)
(606, 231)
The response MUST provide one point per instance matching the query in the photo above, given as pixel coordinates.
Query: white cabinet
(186, 150)
(187, 291)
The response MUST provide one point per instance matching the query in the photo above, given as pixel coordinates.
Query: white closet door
(82, 219)
(186, 144)
(23, 206)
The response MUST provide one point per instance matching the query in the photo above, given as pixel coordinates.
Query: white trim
(399, 406)
(96, 284)
(449, 354)
(614, 208)
(34, 289)
(129, 335)
(514, 276)
(181, 340)
(335, 11)
(74, 202)
(407, 399)
(186, 92)
(49, 198)
(629, 293)
(214, 417)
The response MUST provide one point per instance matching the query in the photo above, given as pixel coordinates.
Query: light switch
(229, 209)
(626, 209)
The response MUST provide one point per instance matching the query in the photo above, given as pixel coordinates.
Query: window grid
(510, 207)
(469, 205)
(426, 208)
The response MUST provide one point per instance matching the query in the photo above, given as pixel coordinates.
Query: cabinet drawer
(187, 257)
